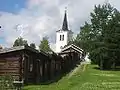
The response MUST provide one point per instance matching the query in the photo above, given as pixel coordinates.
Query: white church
(63, 36)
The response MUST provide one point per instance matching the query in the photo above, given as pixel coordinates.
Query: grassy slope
(86, 78)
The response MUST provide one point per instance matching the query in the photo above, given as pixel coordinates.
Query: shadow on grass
(54, 80)
(116, 69)
(97, 68)
(59, 76)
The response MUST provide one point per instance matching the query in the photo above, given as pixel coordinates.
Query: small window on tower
(62, 37)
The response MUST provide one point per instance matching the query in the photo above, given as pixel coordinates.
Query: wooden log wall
(36, 67)
(10, 65)
(49, 67)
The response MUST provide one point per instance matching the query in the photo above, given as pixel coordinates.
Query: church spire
(65, 23)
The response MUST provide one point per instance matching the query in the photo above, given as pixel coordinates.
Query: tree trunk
(113, 65)
(101, 64)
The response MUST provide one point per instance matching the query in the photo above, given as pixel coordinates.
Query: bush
(6, 82)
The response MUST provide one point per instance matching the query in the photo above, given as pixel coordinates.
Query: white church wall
(61, 43)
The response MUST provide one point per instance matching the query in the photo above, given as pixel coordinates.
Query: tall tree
(44, 45)
(102, 36)
(102, 50)
(84, 37)
(20, 42)
(33, 45)
(112, 38)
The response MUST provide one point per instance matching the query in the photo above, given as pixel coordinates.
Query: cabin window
(40, 67)
(31, 67)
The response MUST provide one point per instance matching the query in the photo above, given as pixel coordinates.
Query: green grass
(84, 78)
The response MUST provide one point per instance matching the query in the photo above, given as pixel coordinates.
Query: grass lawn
(85, 77)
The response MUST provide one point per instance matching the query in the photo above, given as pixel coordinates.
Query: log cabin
(72, 55)
(32, 66)
(24, 63)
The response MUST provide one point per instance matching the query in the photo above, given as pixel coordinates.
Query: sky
(34, 19)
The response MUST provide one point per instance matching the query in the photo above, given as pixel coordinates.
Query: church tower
(63, 36)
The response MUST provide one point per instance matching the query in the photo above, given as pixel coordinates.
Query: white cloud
(43, 17)
(53, 46)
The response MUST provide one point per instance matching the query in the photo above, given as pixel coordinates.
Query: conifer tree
(44, 45)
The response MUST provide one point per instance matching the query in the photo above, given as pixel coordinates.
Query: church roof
(76, 48)
(20, 48)
(17, 48)
(65, 23)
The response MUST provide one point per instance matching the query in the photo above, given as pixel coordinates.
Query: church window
(61, 37)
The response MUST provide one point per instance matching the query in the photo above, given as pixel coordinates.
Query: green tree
(6, 82)
(44, 45)
(112, 38)
(101, 36)
(33, 45)
(84, 37)
(20, 42)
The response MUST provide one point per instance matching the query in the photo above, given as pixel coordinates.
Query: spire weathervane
(65, 9)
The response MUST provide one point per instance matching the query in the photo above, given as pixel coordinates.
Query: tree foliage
(6, 82)
(44, 45)
(84, 37)
(20, 42)
(101, 36)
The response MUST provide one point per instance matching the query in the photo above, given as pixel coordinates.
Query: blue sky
(2, 40)
(12, 5)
